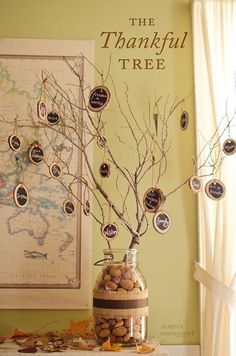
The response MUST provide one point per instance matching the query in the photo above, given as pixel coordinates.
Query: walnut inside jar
(129, 329)
(120, 277)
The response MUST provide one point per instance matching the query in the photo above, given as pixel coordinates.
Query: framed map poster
(45, 254)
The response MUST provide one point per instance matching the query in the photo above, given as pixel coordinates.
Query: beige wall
(166, 261)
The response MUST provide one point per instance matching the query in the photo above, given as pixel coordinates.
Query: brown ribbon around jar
(107, 303)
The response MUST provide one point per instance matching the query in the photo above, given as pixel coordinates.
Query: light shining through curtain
(214, 42)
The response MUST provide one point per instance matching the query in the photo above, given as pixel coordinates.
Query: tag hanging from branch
(101, 141)
(86, 198)
(69, 207)
(195, 184)
(36, 153)
(104, 168)
(153, 199)
(229, 146)
(53, 117)
(161, 222)
(215, 189)
(99, 98)
(20, 193)
(41, 104)
(156, 118)
(55, 170)
(184, 120)
(109, 230)
(14, 140)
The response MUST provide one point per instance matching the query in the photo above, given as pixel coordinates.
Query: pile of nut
(120, 330)
(120, 278)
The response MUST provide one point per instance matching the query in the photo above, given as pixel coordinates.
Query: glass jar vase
(120, 299)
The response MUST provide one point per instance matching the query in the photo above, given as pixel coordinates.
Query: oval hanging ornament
(215, 189)
(229, 146)
(36, 154)
(195, 184)
(104, 170)
(184, 120)
(101, 141)
(41, 110)
(55, 170)
(110, 231)
(69, 207)
(21, 195)
(14, 142)
(161, 222)
(86, 208)
(53, 118)
(99, 98)
(153, 198)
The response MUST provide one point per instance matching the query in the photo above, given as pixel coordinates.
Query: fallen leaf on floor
(107, 346)
(28, 350)
(27, 343)
(16, 334)
(81, 345)
(144, 349)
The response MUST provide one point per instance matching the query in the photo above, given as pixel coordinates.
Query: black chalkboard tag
(184, 120)
(86, 208)
(99, 98)
(21, 195)
(69, 207)
(229, 146)
(55, 170)
(105, 170)
(195, 184)
(101, 141)
(110, 231)
(53, 118)
(36, 154)
(161, 222)
(14, 142)
(41, 110)
(152, 200)
(215, 189)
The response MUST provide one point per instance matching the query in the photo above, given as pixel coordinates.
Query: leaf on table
(81, 345)
(43, 343)
(30, 342)
(28, 350)
(107, 346)
(80, 328)
(18, 334)
(144, 349)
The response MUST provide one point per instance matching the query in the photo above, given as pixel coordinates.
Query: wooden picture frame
(15, 291)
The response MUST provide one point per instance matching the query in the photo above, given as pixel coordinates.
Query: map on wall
(39, 244)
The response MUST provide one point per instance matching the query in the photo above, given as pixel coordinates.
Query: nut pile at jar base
(123, 282)
(119, 330)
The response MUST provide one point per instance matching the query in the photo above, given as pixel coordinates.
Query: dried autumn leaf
(80, 328)
(107, 346)
(43, 343)
(28, 350)
(17, 334)
(144, 349)
(27, 343)
(80, 345)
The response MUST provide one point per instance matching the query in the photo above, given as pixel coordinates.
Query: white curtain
(214, 43)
